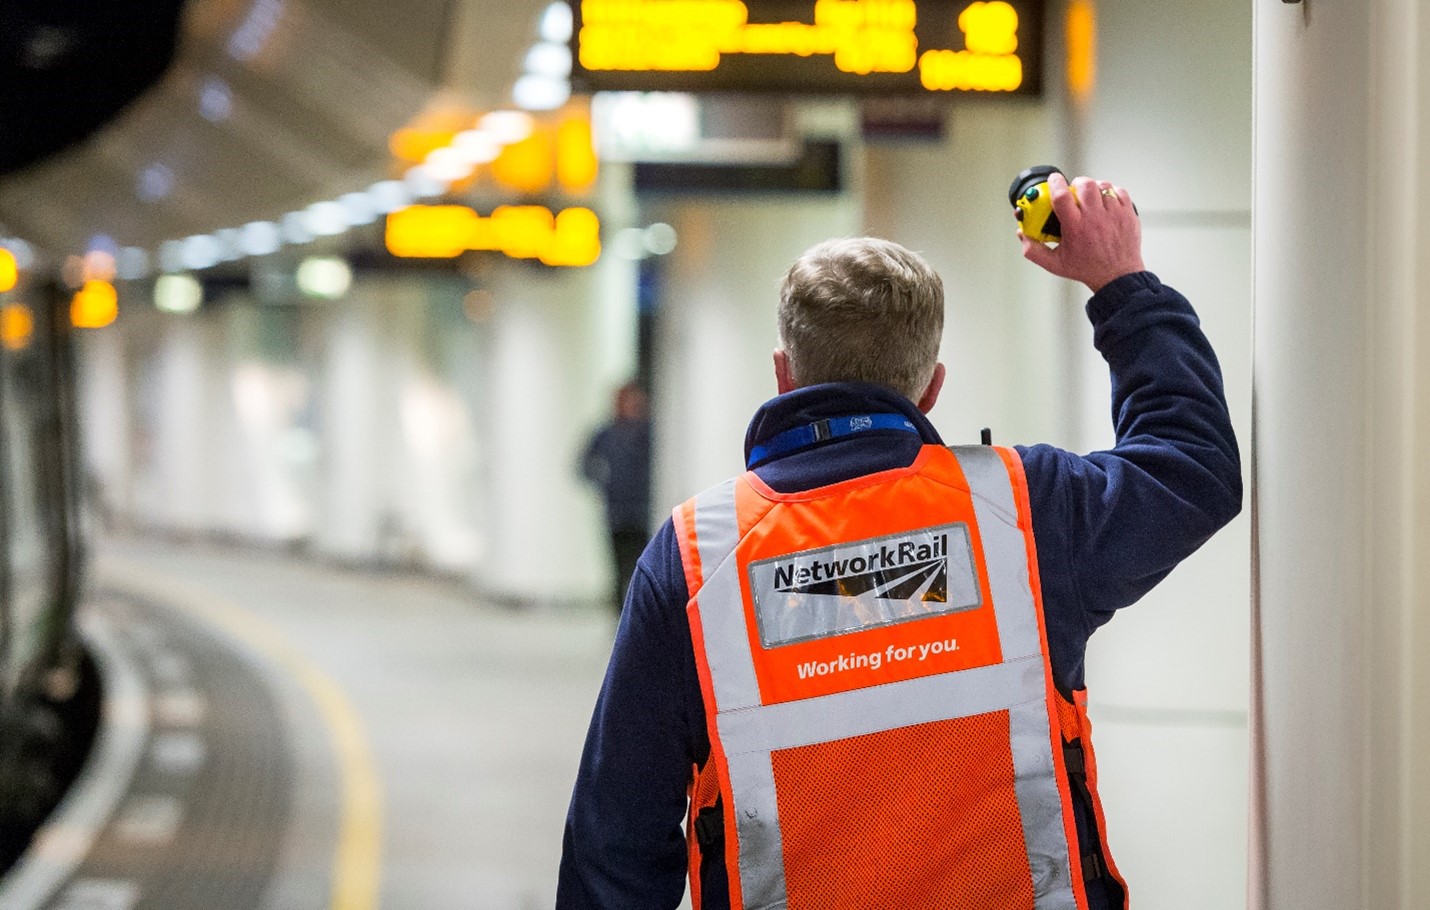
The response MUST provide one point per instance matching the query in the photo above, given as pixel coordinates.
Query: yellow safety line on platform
(357, 861)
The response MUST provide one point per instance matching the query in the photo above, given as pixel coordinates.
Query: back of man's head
(862, 310)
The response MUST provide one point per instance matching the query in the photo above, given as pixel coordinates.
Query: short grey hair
(862, 310)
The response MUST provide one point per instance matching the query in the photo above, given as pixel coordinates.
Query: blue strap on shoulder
(822, 430)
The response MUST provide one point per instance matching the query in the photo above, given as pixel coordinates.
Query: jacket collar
(835, 399)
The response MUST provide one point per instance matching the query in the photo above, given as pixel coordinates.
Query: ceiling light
(557, 23)
(508, 127)
(328, 277)
(424, 184)
(660, 238)
(359, 208)
(24, 253)
(325, 219)
(102, 243)
(132, 264)
(230, 241)
(447, 165)
(215, 100)
(549, 59)
(388, 196)
(540, 93)
(476, 146)
(178, 293)
(251, 36)
(201, 251)
(99, 265)
(260, 238)
(171, 255)
(154, 183)
(295, 228)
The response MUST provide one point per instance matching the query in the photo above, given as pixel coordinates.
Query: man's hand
(1101, 234)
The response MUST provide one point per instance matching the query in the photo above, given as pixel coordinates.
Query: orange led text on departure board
(829, 45)
(571, 237)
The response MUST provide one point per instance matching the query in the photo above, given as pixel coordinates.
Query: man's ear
(784, 376)
(930, 396)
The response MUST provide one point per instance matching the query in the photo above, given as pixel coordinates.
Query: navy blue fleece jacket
(1108, 526)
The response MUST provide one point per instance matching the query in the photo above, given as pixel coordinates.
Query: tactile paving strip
(204, 818)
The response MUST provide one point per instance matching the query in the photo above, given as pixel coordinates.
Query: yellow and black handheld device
(1033, 204)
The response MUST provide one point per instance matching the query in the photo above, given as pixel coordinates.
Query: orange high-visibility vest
(884, 727)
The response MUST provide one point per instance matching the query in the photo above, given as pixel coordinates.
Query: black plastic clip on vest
(710, 827)
(1093, 866)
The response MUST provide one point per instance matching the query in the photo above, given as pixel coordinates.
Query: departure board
(886, 47)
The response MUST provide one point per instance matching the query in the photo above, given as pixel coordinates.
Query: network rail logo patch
(892, 572)
(846, 588)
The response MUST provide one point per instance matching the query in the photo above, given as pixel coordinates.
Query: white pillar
(362, 435)
(561, 342)
(181, 401)
(106, 424)
(1342, 486)
(262, 494)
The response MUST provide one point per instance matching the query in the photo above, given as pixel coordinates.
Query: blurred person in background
(617, 462)
(856, 670)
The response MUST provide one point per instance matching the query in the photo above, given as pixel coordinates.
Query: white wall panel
(1195, 627)
(354, 414)
(1155, 780)
(1171, 117)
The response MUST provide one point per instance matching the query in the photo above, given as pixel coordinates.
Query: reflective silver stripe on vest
(757, 819)
(1040, 803)
(860, 712)
(722, 613)
(1004, 550)
(732, 675)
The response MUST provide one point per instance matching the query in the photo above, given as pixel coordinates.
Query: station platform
(285, 735)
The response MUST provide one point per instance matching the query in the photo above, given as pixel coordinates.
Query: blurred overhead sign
(814, 169)
(570, 238)
(809, 46)
(517, 151)
(95, 305)
(9, 270)
(17, 326)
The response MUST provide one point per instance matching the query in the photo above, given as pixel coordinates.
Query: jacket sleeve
(624, 845)
(1120, 520)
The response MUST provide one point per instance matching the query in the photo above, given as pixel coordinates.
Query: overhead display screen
(887, 47)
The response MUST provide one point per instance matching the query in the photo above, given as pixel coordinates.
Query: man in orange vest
(852, 677)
